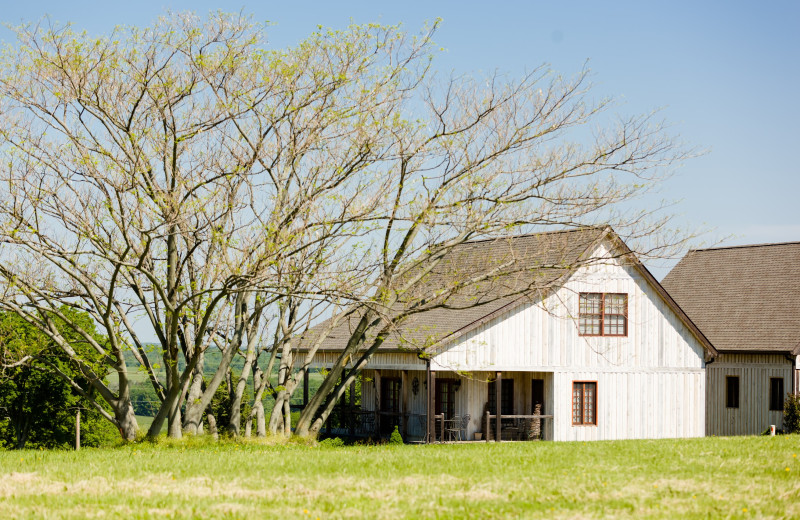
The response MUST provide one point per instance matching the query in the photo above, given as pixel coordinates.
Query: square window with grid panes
(603, 314)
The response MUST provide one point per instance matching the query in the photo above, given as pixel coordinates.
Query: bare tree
(165, 172)
(183, 175)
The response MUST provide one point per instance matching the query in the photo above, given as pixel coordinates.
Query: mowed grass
(755, 477)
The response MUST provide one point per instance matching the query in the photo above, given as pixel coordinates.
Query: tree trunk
(196, 408)
(175, 431)
(307, 419)
(195, 426)
(282, 400)
(238, 392)
(287, 418)
(258, 405)
(261, 427)
(126, 420)
(212, 425)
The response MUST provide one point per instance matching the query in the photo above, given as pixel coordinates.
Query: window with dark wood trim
(584, 403)
(732, 391)
(506, 398)
(603, 314)
(776, 393)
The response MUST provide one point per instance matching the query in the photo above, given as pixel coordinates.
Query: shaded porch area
(447, 406)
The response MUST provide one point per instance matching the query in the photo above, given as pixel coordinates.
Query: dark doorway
(537, 395)
(506, 397)
(446, 397)
(390, 404)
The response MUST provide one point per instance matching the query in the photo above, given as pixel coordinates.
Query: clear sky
(725, 74)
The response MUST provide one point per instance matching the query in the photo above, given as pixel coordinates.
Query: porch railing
(514, 427)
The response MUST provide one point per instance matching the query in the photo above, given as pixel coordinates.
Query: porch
(444, 406)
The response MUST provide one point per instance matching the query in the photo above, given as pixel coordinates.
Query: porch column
(429, 427)
(351, 417)
(377, 403)
(498, 393)
(404, 403)
(305, 387)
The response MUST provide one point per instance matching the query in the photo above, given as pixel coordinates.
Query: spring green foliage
(37, 407)
(396, 438)
(332, 442)
(791, 413)
(754, 477)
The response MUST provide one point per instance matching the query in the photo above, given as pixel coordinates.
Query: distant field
(699, 478)
(145, 421)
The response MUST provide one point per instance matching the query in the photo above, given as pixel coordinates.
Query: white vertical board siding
(395, 360)
(544, 334)
(651, 384)
(634, 405)
(753, 415)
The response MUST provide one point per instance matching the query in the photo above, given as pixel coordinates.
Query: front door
(390, 402)
(446, 397)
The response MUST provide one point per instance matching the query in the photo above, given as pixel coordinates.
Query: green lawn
(754, 477)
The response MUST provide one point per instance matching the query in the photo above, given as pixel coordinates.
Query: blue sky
(726, 75)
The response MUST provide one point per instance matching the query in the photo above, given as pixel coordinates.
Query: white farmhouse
(600, 347)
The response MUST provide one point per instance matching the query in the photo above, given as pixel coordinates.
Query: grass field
(144, 422)
(754, 477)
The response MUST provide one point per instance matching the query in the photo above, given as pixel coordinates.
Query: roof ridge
(526, 235)
(767, 244)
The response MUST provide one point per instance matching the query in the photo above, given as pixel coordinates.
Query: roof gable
(527, 264)
(543, 261)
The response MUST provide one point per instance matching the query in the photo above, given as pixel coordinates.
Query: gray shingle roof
(527, 263)
(744, 298)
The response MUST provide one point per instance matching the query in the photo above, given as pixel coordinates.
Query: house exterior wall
(650, 384)
(386, 360)
(754, 371)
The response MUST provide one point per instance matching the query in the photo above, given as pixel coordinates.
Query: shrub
(791, 413)
(332, 442)
(396, 438)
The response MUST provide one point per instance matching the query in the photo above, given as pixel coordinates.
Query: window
(506, 398)
(603, 314)
(776, 393)
(732, 391)
(584, 403)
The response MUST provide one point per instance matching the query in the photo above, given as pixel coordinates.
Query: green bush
(396, 438)
(791, 413)
(332, 442)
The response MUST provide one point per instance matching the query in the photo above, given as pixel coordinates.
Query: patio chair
(452, 428)
(462, 433)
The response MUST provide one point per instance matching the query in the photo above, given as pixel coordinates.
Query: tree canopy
(232, 196)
